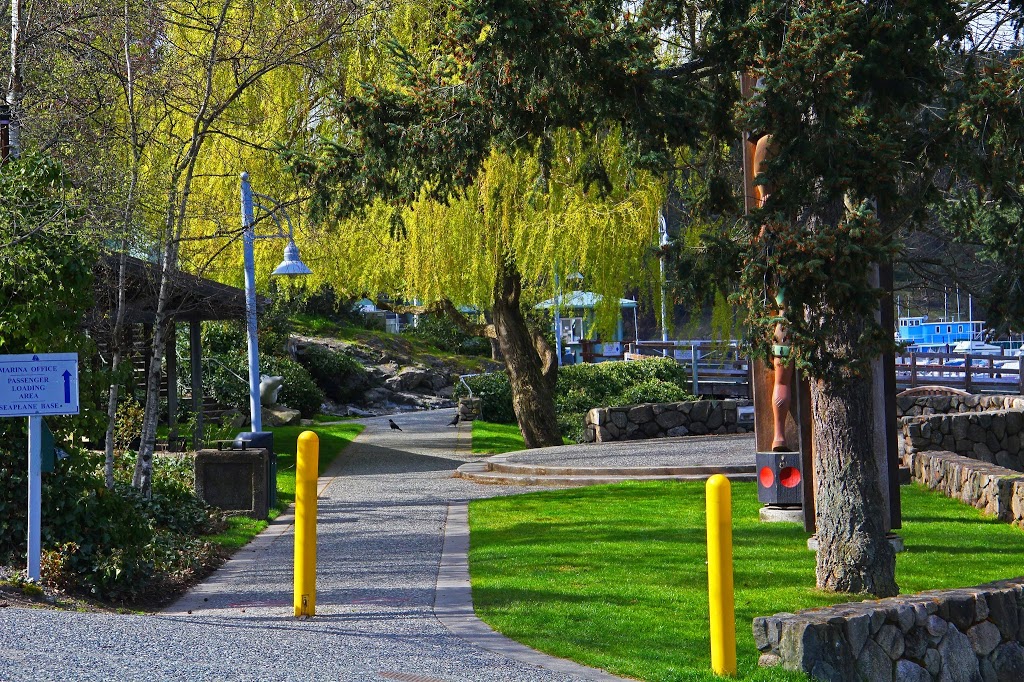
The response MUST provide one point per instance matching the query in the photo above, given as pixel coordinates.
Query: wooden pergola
(193, 300)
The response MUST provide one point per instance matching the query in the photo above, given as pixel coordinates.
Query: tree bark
(853, 552)
(532, 376)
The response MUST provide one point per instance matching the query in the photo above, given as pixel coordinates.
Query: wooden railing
(720, 370)
(972, 373)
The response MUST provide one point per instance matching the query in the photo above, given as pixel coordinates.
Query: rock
(446, 392)
(1014, 421)
(908, 671)
(279, 415)
(377, 395)
(598, 416)
(1008, 662)
(769, 660)
(619, 418)
(716, 416)
(698, 428)
(410, 378)
(306, 422)
(959, 664)
(915, 644)
(932, 662)
(905, 617)
(936, 626)
(699, 411)
(356, 412)
(890, 638)
(678, 431)
(874, 664)
(984, 638)
(669, 419)
(641, 414)
(858, 628)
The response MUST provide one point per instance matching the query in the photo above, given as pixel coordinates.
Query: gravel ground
(381, 521)
(683, 451)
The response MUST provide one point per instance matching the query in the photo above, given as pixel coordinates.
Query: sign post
(33, 386)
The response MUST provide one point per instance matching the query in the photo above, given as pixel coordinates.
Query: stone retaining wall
(992, 436)
(915, 406)
(967, 634)
(995, 490)
(658, 420)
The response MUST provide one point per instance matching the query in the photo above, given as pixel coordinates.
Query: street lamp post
(291, 265)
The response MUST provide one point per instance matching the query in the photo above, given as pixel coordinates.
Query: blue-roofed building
(575, 319)
(938, 336)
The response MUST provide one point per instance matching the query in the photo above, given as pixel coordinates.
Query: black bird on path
(455, 420)
(394, 426)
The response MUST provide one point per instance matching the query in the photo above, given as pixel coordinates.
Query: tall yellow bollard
(723, 616)
(306, 465)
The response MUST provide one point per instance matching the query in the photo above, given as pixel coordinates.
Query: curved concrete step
(531, 475)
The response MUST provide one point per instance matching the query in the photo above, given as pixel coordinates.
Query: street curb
(453, 605)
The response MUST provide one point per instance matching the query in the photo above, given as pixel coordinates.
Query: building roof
(192, 298)
(582, 299)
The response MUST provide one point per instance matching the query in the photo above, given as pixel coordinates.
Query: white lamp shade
(291, 265)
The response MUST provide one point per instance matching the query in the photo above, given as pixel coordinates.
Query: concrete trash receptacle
(234, 480)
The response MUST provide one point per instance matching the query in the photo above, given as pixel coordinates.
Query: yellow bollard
(306, 465)
(720, 594)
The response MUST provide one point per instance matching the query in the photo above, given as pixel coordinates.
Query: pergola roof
(192, 299)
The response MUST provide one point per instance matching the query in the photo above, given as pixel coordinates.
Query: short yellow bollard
(720, 593)
(306, 465)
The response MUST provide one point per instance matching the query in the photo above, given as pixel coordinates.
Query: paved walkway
(390, 605)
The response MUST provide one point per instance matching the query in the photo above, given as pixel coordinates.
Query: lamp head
(291, 265)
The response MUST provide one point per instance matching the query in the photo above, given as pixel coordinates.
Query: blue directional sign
(42, 384)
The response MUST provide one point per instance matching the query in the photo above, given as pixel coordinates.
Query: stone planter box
(972, 633)
(660, 420)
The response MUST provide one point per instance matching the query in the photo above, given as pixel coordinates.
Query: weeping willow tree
(493, 247)
(496, 139)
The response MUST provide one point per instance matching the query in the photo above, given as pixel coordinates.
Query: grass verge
(490, 438)
(616, 577)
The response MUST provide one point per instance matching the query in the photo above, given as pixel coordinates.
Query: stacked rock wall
(658, 420)
(915, 406)
(967, 634)
(995, 490)
(987, 428)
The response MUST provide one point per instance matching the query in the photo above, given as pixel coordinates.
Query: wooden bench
(932, 390)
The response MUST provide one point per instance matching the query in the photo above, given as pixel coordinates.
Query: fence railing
(972, 373)
(721, 370)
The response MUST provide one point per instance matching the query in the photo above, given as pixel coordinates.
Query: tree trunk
(853, 552)
(532, 379)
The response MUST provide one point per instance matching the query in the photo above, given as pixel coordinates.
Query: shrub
(338, 375)
(442, 333)
(227, 381)
(495, 395)
(582, 387)
(651, 391)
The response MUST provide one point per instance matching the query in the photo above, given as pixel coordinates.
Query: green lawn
(616, 577)
(493, 439)
(333, 439)
(490, 438)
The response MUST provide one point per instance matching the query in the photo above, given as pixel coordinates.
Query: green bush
(582, 387)
(226, 378)
(338, 375)
(652, 391)
(495, 395)
(442, 333)
(112, 544)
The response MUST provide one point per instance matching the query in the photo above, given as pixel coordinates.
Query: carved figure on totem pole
(781, 361)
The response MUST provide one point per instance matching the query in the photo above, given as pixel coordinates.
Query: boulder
(279, 415)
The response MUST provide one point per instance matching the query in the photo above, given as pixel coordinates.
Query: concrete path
(382, 516)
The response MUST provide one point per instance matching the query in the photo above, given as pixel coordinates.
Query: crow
(455, 420)
(394, 426)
